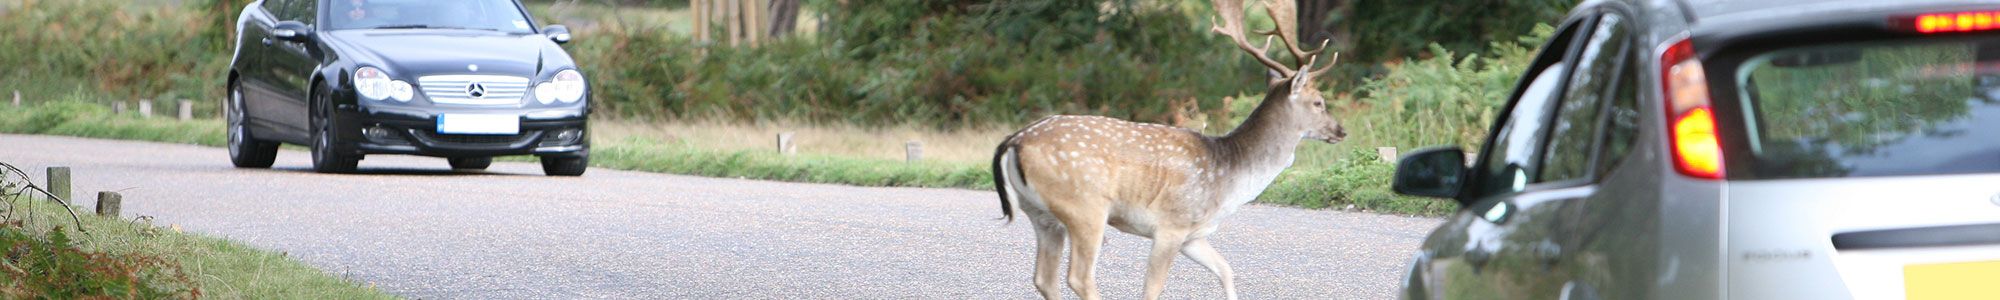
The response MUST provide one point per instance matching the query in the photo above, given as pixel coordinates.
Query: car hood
(408, 53)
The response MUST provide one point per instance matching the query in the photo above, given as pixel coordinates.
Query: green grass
(1333, 179)
(209, 267)
(653, 156)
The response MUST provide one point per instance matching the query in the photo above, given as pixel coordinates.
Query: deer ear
(1302, 82)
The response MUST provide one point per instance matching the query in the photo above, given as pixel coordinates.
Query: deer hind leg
(1086, 237)
(1048, 257)
(1199, 251)
(1165, 244)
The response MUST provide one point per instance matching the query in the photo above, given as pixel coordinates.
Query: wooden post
(146, 108)
(913, 151)
(785, 144)
(186, 110)
(108, 204)
(1388, 154)
(59, 182)
(17, 98)
(118, 107)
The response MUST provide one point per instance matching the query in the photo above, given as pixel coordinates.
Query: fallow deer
(1074, 175)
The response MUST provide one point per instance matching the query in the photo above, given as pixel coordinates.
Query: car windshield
(496, 15)
(1875, 109)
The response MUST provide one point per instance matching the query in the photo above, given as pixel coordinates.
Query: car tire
(245, 151)
(565, 166)
(470, 163)
(328, 156)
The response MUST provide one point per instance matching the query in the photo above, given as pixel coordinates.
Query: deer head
(1292, 103)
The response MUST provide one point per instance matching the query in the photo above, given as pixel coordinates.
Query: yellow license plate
(1973, 280)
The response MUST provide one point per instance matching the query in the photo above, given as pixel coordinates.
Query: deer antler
(1232, 27)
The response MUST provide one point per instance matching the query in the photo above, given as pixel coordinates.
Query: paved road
(416, 229)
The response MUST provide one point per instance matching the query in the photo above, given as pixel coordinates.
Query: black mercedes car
(466, 80)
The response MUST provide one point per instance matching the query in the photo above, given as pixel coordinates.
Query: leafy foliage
(1444, 100)
(1385, 30)
(51, 266)
(55, 46)
(948, 63)
(1359, 179)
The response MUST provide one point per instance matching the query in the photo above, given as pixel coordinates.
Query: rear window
(1874, 109)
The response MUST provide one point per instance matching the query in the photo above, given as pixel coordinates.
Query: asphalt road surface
(414, 228)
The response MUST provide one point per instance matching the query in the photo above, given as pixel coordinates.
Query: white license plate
(478, 124)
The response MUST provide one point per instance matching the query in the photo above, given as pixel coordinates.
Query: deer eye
(1319, 103)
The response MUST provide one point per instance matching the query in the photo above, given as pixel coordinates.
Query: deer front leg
(1199, 251)
(1048, 256)
(1085, 238)
(1165, 243)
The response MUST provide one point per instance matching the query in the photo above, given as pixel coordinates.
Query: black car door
(254, 73)
(292, 64)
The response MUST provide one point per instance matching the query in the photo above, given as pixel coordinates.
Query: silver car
(1663, 149)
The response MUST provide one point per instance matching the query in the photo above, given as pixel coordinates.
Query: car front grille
(479, 141)
(458, 89)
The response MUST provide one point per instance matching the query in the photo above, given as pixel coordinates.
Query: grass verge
(1354, 179)
(102, 257)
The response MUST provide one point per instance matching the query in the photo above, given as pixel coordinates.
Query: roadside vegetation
(861, 77)
(56, 253)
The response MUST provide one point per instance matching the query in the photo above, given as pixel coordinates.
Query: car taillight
(1956, 22)
(1697, 151)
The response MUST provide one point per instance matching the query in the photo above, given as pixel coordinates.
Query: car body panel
(1781, 234)
(280, 76)
(1643, 231)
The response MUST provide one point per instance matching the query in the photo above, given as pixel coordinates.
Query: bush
(51, 266)
(1359, 179)
(1444, 100)
(950, 63)
(58, 46)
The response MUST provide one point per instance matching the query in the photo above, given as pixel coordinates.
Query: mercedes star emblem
(475, 90)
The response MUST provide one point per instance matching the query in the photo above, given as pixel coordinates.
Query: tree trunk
(702, 12)
(732, 11)
(1316, 21)
(784, 17)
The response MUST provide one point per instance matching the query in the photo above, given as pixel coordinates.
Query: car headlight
(401, 91)
(567, 87)
(374, 84)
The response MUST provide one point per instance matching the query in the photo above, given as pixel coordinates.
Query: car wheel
(565, 166)
(245, 151)
(327, 153)
(470, 163)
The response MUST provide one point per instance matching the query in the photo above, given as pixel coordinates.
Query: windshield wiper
(424, 26)
(404, 26)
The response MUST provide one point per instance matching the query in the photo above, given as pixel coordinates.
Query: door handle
(1477, 257)
(1548, 252)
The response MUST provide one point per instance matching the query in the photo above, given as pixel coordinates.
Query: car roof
(1750, 13)
(1705, 9)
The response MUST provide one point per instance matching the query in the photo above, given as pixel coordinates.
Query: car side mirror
(1431, 172)
(291, 31)
(557, 33)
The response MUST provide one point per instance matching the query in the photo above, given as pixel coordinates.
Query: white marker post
(186, 111)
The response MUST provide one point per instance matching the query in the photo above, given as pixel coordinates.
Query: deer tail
(1003, 158)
